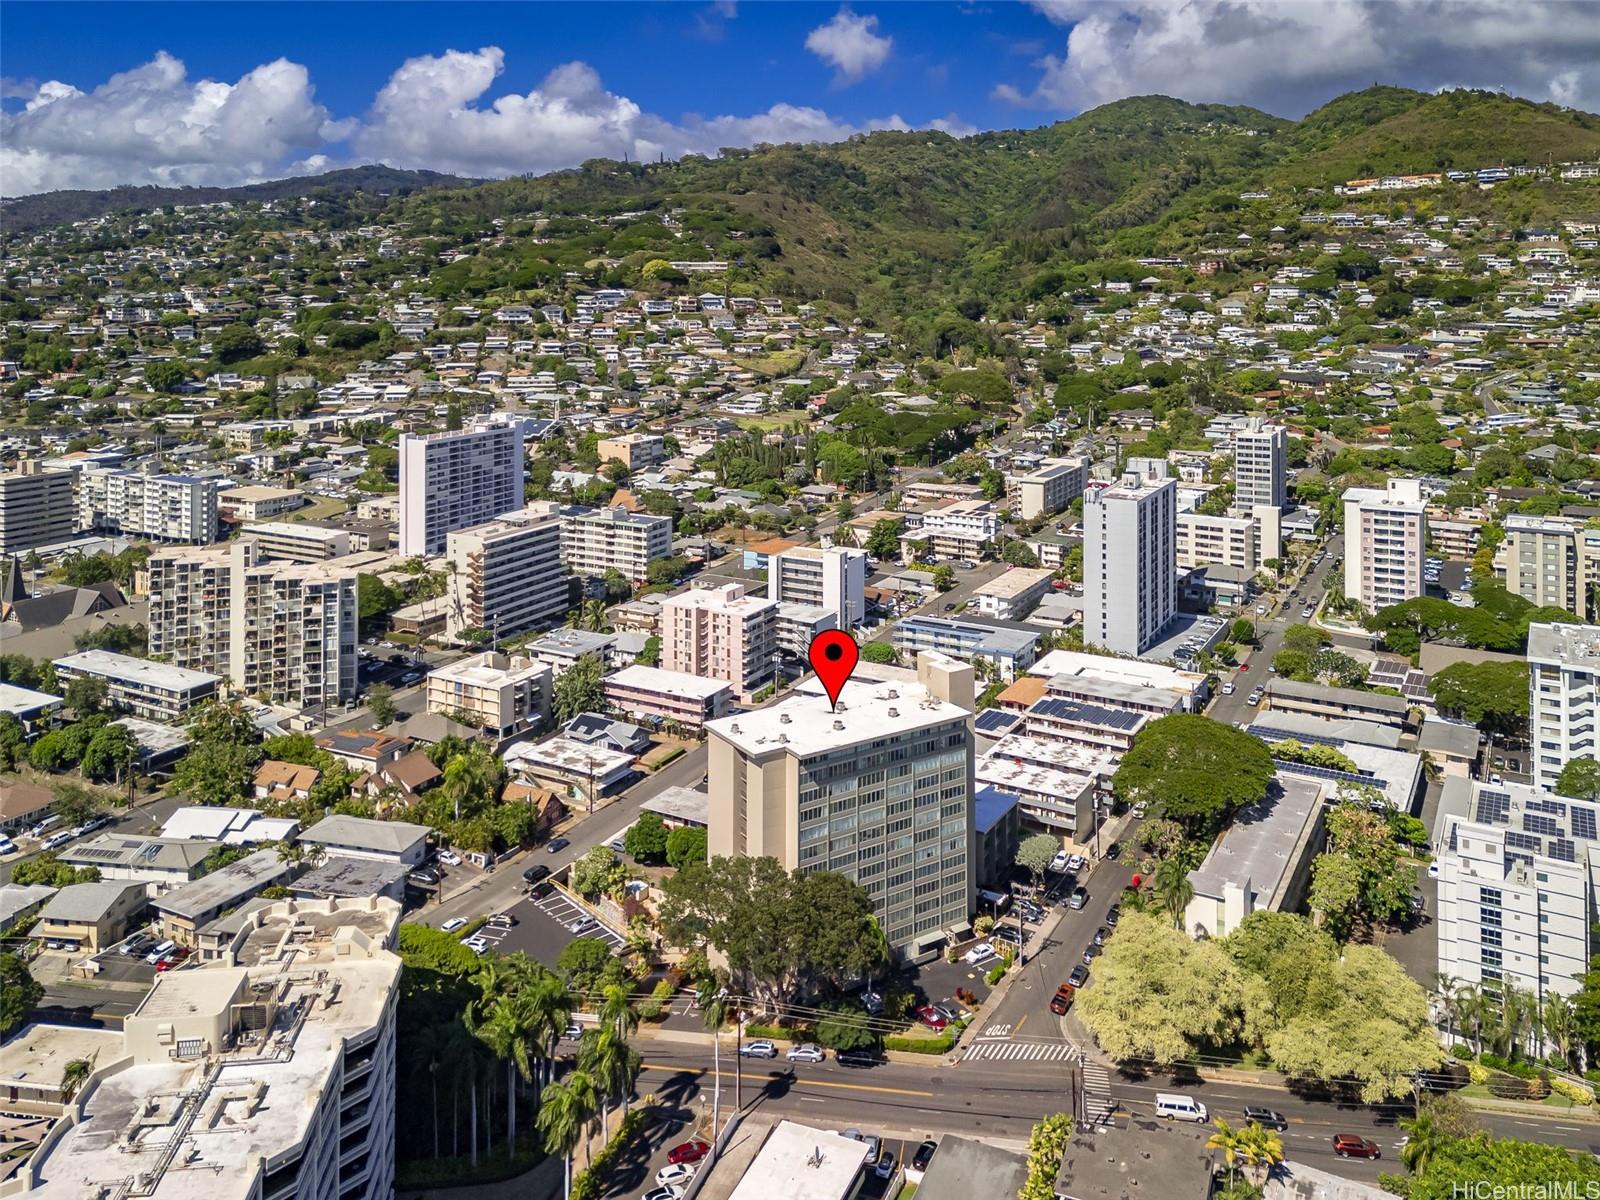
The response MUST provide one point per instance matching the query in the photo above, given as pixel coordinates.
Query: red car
(1244, 666)
(1349, 1145)
(688, 1152)
(931, 1019)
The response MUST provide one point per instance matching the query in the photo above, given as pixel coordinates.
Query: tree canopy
(1195, 770)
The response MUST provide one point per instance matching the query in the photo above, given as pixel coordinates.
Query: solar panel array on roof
(995, 720)
(1524, 841)
(1553, 807)
(1088, 714)
(1267, 733)
(1583, 825)
(1564, 850)
(1494, 808)
(1541, 824)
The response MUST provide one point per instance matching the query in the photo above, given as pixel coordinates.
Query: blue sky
(99, 94)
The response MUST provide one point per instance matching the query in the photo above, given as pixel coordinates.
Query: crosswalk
(1005, 1049)
(1097, 1101)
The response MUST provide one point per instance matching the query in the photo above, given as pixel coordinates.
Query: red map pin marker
(834, 656)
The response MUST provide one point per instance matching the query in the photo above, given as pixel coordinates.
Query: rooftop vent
(783, 718)
(839, 725)
(894, 712)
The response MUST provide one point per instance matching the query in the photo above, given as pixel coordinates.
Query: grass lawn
(907, 1192)
(779, 362)
(320, 508)
(763, 424)
(1480, 1091)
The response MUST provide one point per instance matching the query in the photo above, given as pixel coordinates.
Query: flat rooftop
(668, 683)
(292, 529)
(480, 671)
(124, 668)
(37, 1054)
(1013, 583)
(804, 724)
(1126, 670)
(1570, 645)
(797, 1162)
(1259, 846)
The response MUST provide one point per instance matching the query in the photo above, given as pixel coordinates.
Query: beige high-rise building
(878, 789)
(1047, 489)
(1385, 532)
(1552, 562)
(283, 631)
(597, 540)
(721, 633)
(456, 479)
(506, 576)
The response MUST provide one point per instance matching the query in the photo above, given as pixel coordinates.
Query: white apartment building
(457, 479)
(597, 540)
(721, 633)
(1516, 886)
(1013, 595)
(1552, 562)
(1206, 540)
(1385, 532)
(163, 508)
(1130, 559)
(1047, 489)
(284, 631)
(294, 542)
(878, 789)
(268, 1074)
(506, 694)
(37, 507)
(1260, 470)
(155, 691)
(835, 579)
(965, 528)
(506, 576)
(1563, 667)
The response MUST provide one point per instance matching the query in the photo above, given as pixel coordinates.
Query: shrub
(754, 1032)
(995, 973)
(983, 925)
(942, 1044)
(1477, 1073)
(1567, 1090)
(1461, 1051)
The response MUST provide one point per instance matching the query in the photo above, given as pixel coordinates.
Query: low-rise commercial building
(153, 690)
(579, 772)
(1262, 861)
(1012, 649)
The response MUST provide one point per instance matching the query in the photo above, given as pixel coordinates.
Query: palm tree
(611, 1063)
(1471, 1007)
(714, 1003)
(562, 1116)
(1446, 990)
(617, 1011)
(1230, 1141)
(1424, 1138)
(73, 1076)
(427, 1057)
(504, 1029)
(1174, 889)
(1262, 1150)
(594, 615)
(1559, 1024)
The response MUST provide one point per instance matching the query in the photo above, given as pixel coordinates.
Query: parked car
(981, 953)
(501, 921)
(872, 1002)
(1079, 976)
(1227, 688)
(674, 1173)
(1058, 864)
(536, 874)
(886, 1165)
(1076, 863)
(1080, 897)
(1113, 915)
(1101, 934)
(1062, 1000)
(950, 1012)
(858, 1058)
(1089, 953)
(572, 1032)
(556, 844)
(758, 1049)
(691, 1151)
(672, 1192)
(477, 944)
(1114, 851)
(806, 1052)
(450, 858)
(1350, 1145)
(56, 840)
(923, 1156)
(1266, 1117)
(453, 924)
(931, 1019)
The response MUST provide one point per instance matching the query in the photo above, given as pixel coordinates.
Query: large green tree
(1579, 779)
(1492, 695)
(1194, 770)
(19, 991)
(580, 689)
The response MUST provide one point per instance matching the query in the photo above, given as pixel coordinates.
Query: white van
(1180, 1108)
(166, 948)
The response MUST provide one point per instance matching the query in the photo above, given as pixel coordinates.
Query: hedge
(755, 1033)
(942, 1044)
(591, 1182)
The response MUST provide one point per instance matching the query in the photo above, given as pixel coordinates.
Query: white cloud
(427, 115)
(154, 125)
(850, 45)
(1289, 56)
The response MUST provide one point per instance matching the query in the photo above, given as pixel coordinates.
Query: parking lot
(543, 928)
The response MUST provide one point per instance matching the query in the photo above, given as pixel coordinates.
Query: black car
(556, 845)
(1113, 915)
(858, 1058)
(1005, 933)
(1114, 851)
(1089, 952)
(1266, 1117)
(1079, 976)
(1100, 935)
(536, 873)
(923, 1156)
